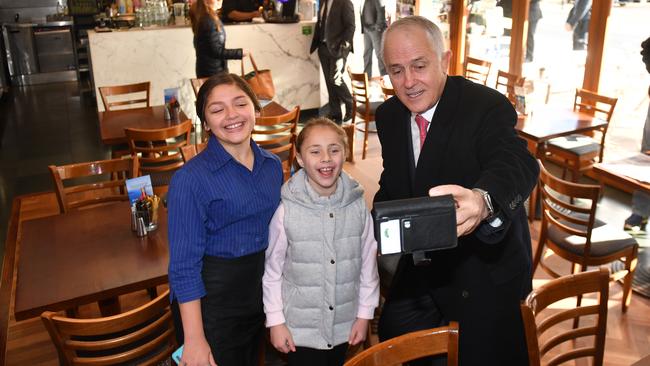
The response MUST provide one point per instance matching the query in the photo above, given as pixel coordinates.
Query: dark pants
(488, 313)
(305, 356)
(232, 310)
(337, 90)
(530, 39)
(580, 33)
(372, 40)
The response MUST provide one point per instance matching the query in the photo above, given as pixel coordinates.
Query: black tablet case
(426, 223)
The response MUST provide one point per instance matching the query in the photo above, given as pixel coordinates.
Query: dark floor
(39, 126)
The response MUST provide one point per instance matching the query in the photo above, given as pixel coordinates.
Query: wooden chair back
(386, 89)
(277, 134)
(569, 227)
(196, 84)
(362, 107)
(89, 183)
(159, 150)
(563, 342)
(506, 83)
(412, 346)
(569, 207)
(190, 151)
(125, 96)
(596, 105)
(477, 70)
(143, 336)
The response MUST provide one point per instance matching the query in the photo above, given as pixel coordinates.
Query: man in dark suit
(373, 24)
(446, 135)
(578, 22)
(333, 40)
(534, 15)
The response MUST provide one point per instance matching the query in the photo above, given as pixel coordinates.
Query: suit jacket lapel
(435, 145)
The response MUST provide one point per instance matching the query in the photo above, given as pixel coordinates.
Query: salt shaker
(141, 228)
(134, 219)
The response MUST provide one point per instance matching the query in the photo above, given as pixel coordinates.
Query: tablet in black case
(415, 224)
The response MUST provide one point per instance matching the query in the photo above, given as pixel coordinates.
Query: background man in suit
(373, 24)
(578, 22)
(469, 148)
(333, 40)
(534, 15)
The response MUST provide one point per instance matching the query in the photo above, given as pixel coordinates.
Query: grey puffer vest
(320, 287)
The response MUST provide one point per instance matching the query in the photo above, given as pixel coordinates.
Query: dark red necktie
(422, 125)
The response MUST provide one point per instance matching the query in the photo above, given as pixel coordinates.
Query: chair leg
(539, 252)
(574, 269)
(365, 139)
(349, 132)
(630, 267)
(153, 293)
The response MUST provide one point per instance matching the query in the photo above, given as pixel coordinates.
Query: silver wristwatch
(487, 200)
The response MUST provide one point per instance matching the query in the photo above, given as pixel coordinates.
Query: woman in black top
(210, 39)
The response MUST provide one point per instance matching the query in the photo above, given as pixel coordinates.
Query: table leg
(110, 306)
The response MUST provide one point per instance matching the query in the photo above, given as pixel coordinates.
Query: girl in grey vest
(320, 280)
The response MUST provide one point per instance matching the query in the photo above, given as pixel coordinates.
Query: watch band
(488, 201)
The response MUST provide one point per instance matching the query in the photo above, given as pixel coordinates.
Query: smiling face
(418, 73)
(321, 155)
(230, 115)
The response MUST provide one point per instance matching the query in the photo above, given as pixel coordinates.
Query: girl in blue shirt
(220, 205)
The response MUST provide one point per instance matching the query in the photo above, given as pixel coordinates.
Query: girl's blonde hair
(325, 122)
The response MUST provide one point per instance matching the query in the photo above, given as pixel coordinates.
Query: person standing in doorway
(534, 15)
(638, 220)
(373, 24)
(578, 22)
(333, 40)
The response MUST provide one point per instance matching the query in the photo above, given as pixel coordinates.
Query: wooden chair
(190, 151)
(506, 83)
(387, 90)
(143, 336)
(412, 346)
(362, 107)
(563, 342)
(477, 70)
(196, 84)
(159, 151)
(277, 134)
(572, 231)
(579, 152)
(125, 96)
(89, 183)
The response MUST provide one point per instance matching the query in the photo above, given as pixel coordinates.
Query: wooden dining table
(548, 123)
(84, 256)
(545, 124)
(614, 173)
(113, 123)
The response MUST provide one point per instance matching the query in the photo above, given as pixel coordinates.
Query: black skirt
(232, 309)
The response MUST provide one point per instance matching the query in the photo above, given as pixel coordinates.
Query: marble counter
(165, 56)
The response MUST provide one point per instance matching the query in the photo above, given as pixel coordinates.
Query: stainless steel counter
(40, 52)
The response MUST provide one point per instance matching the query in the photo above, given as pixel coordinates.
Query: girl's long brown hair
(198, 10)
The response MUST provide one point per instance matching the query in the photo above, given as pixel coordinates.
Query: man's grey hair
(429, 27)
